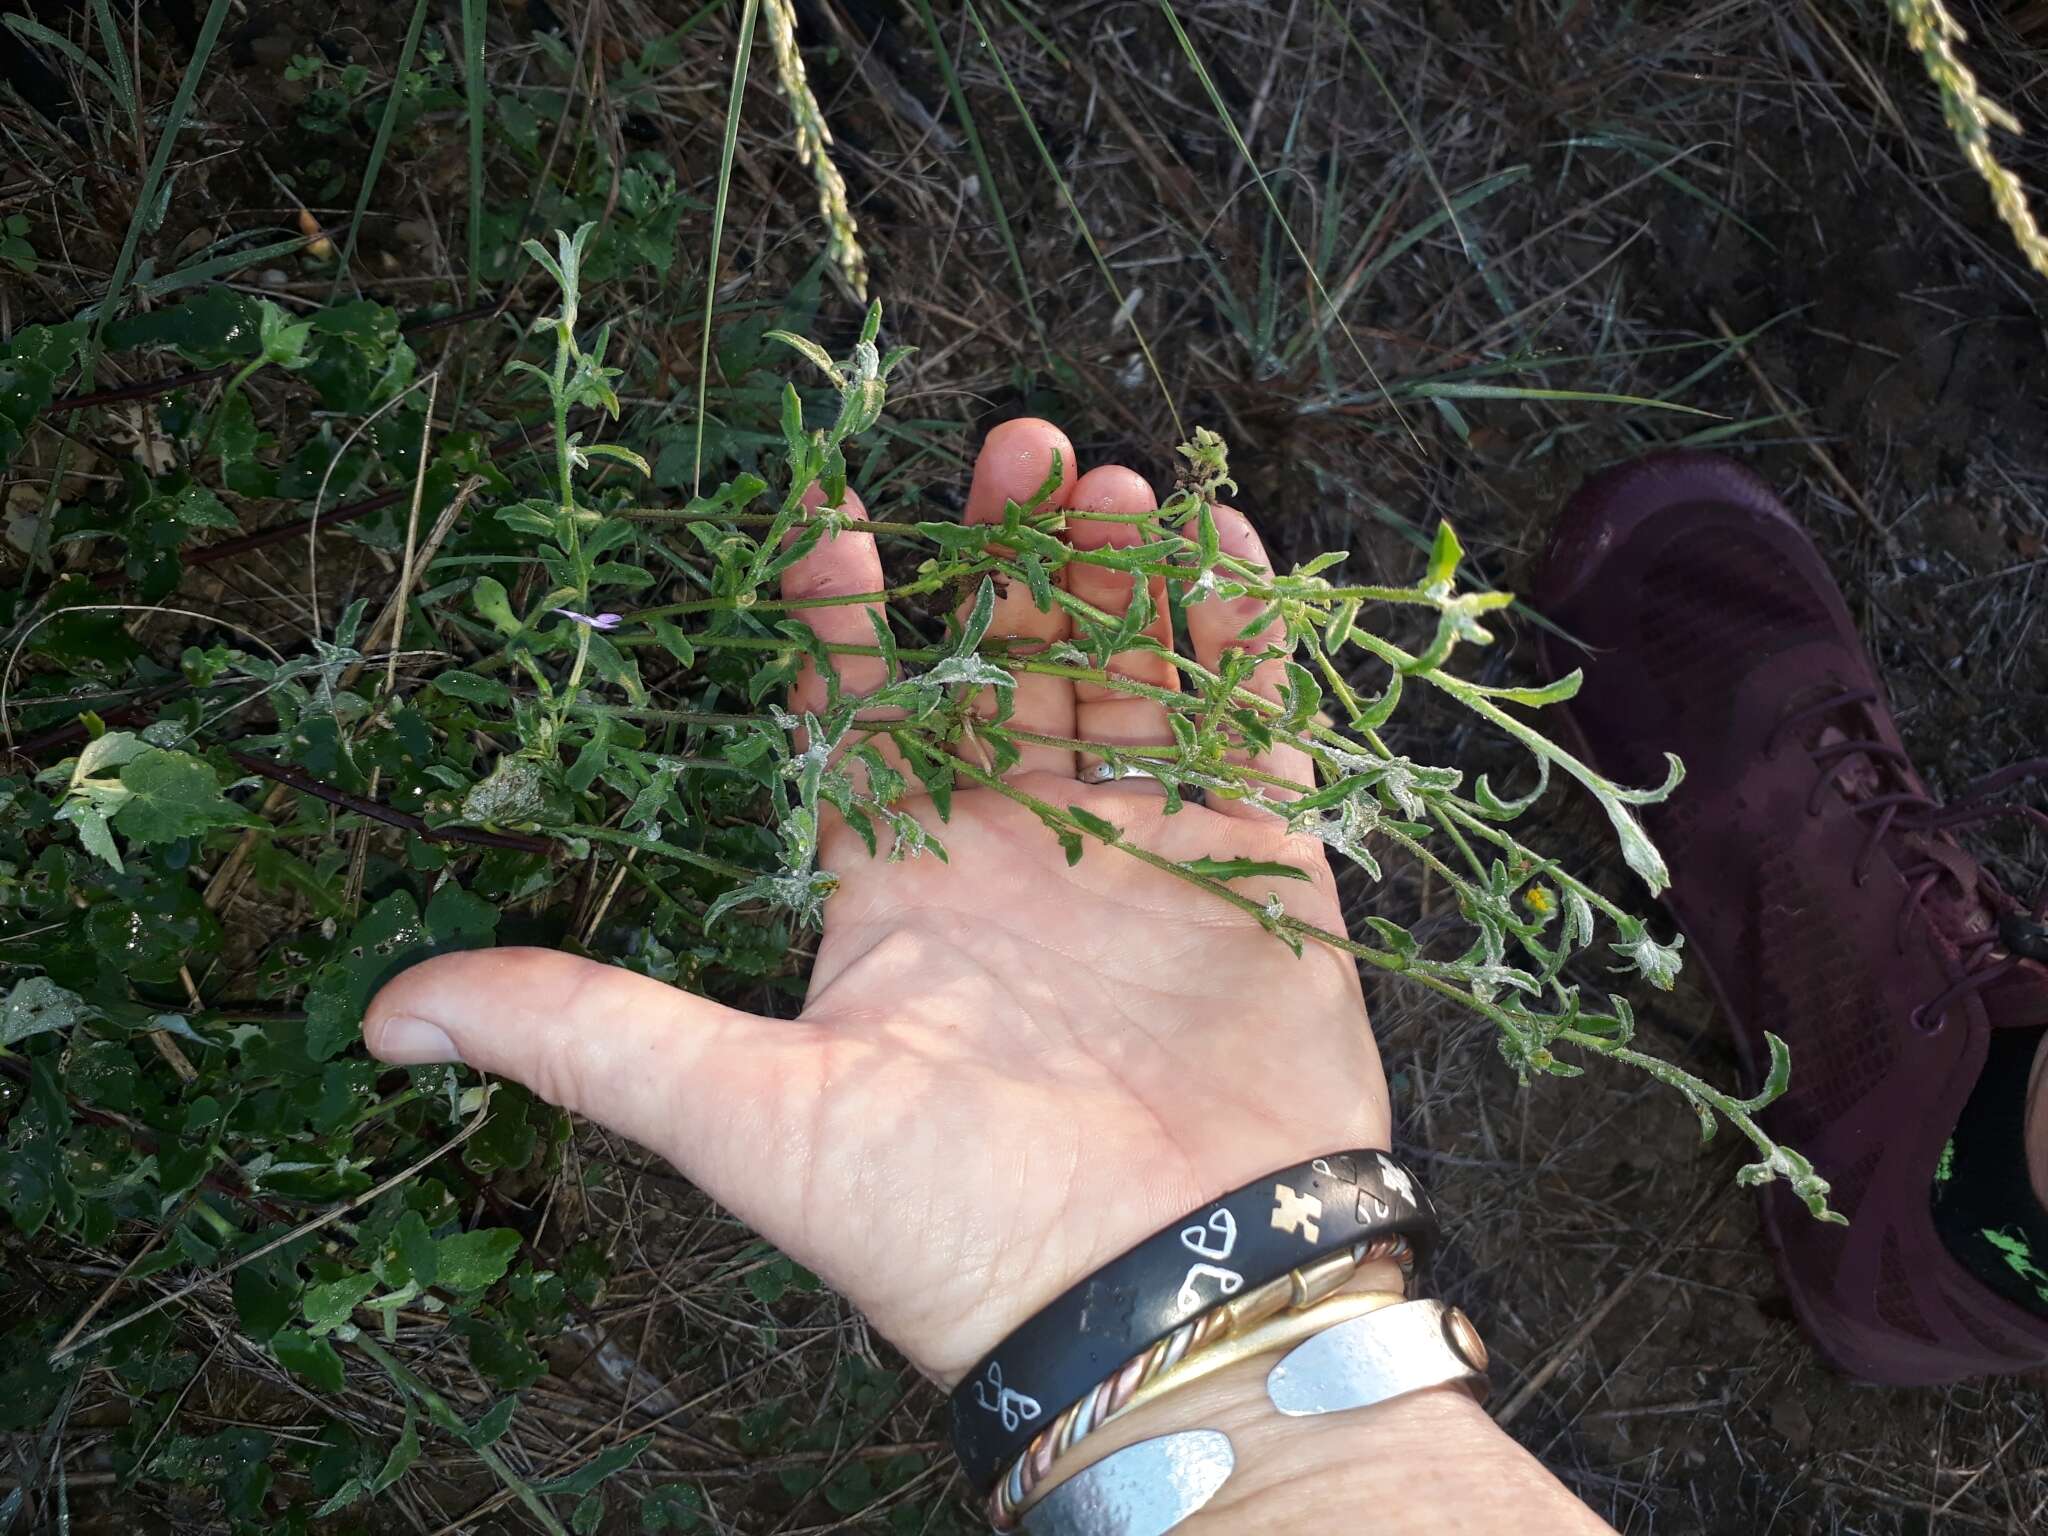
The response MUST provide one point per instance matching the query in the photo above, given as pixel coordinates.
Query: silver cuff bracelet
(1378, 1357)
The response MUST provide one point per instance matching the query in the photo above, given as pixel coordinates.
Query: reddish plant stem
(306, 784)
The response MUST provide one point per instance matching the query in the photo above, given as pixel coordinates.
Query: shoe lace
(2021, 928)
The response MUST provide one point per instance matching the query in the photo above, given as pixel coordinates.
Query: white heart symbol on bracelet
(1196, 1239)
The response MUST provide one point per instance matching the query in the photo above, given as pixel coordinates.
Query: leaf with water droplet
(38, 1005)
(472, 1261)
(173, 795)
(390, 936)
(382, 941)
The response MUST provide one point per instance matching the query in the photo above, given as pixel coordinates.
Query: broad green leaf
(37, 1005)
(93, 831)
(194, 506)
(342, 988)
(240, 445)
(458, 920)
(281, 338)
(472, 689)
(327, 1307)
(104, 752)
(311, 1358)
(678, 1507)
(472, 1261)
(493, 605)
(418, 1252)
(261, 1303)
(501, 1354)
(173, 795)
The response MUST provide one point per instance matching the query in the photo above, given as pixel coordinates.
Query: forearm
(1432, 1463)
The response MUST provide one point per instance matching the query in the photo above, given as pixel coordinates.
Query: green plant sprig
(1512, 973)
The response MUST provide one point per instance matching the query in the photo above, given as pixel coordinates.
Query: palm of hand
(1079, 1054)
(1008, 1069)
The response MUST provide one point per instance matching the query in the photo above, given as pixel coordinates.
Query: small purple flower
(591, 620)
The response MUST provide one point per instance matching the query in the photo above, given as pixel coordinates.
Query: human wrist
(1195, 1292)
(1431, 1452)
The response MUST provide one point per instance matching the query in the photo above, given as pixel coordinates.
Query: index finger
(840, 566)
(828, 583)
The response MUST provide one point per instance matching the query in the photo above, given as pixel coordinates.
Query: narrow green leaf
(1241, 869)
(742, 51)
(1444, 556)
(475, 20)
(601, 1466)
(382, 142)
(1095, 825)
(819, 357)
(978, 618)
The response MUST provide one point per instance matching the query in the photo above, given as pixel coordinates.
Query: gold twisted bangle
(1300, 1302)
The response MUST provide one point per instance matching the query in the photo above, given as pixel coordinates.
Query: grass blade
(219, 266)
(473, 23)
(72, 54)
(983, 169)
(1187, 47)
(153, 177)
(1654, 153)
(1074, 208)
(1472, 253)
(117, 63)
(1434, 389)
(1406, 241)
(124, 263)
(383, 142)
(734, 99)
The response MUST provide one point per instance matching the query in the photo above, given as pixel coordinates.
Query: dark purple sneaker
(1814, 881)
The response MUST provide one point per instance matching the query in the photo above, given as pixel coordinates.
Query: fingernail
(408, 1042)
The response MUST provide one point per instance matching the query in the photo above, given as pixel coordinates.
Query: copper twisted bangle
(1174, 1360)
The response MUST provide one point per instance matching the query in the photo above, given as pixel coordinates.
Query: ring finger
(1102, 711)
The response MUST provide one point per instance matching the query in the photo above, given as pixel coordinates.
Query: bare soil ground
(1669, 175)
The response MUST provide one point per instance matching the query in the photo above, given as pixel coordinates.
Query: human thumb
(703, 1084)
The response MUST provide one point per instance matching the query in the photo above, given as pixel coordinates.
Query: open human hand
(1008, 1070)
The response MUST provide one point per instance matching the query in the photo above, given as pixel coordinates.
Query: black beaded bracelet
(1245, 1239)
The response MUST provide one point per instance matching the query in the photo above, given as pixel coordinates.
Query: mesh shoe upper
(1823, 904)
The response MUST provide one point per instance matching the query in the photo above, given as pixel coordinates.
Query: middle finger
(1102, 712)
